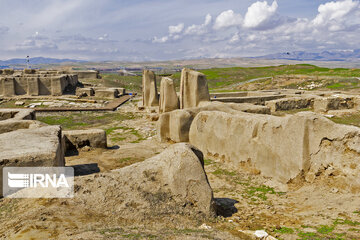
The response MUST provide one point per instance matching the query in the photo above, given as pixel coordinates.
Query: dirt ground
(245, 199)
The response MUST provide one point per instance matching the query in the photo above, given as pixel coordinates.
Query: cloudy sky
(135, 30)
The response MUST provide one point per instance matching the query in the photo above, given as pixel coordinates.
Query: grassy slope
(222, 77)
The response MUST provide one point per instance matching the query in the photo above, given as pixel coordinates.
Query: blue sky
(140, 30)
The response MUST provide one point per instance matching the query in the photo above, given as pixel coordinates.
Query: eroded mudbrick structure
(34, 83)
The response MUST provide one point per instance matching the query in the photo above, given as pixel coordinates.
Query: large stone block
(95, 138)
(33, 86)
(106, 93)
(88, 91)
(36, 147)
(169, 100)
(173, 182)
(175, 126)
(284, 148)
(193, 88)
(8, 86)
(149, 91)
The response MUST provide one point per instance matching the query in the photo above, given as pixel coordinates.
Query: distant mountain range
(36, 60)
(351, 55)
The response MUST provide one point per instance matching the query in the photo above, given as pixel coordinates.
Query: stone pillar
(169, 101)
(150, 94)
(193, 88)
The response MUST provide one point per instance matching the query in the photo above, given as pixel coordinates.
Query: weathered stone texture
(173, 182)
(193, 88)
(286, 104)
(304, 144)
(150, 94)
(175, 125)
(169, 100)
(95, 138)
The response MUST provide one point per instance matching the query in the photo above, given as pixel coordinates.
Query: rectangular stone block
(56, 88)
(33, 86)
(8, 87)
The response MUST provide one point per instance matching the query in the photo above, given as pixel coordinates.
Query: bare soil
(245, 199)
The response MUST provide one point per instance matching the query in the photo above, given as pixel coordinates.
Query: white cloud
(334, 11)
(235, 38)
(227, 19)
(336, 16)
(176, 29)
(259, 13)
(199, 29)
(160, 40)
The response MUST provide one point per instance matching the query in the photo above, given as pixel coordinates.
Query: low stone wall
(95, 138)
(13, 119)
(284, 148)
(174, 126)
(89, 74)
(335, 103)
(259, 100)
(286, 104)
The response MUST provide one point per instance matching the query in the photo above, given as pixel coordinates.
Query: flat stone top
(34, 142)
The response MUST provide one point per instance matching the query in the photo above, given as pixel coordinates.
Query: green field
(219, 78)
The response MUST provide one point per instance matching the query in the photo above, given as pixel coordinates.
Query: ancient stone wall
(35, 83)
(284, 148)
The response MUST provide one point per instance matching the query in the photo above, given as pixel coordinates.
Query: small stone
(206, 227)
(261, 234)
(19, 103)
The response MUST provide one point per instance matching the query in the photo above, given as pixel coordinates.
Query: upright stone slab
(169, 101)
(33, 86)
(193, 88)
(150, 94)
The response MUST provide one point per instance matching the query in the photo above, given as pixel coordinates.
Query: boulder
(284, 148)
(95, 138)
(193, 88)
(150, 94)
(169, 100)
(173, 182)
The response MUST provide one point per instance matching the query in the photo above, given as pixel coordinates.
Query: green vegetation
(346, 222)
(284, 230)
(324, 229)
(221, 77)
(117, 137)
(132, 83)
(259, 192)
(72, 121)
(220, 171)
(351, 119)
(208, 162)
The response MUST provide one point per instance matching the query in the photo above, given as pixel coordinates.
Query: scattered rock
(19, 103)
